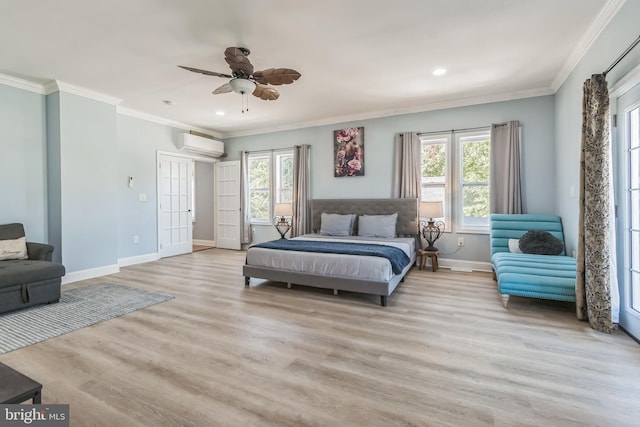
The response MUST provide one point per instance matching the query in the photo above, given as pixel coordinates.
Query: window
(458, 175)
(473, 205)
(270, 182)
(284, 177)
(435, 172)
(633, 201)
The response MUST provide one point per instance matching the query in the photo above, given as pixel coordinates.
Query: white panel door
(228, 204)
(174, 199)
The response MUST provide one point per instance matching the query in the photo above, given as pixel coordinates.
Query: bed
(360, 273)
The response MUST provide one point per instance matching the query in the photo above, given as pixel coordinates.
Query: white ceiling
(358, 58)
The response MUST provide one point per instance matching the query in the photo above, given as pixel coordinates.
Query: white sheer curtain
(245, 219)
(407, 176)
(301, 190)
(504, 167)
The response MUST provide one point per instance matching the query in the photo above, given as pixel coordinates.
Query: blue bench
(536, 276)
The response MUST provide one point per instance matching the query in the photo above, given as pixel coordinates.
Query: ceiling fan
(244, 80)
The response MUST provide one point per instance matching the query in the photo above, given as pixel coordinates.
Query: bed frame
(407, 226)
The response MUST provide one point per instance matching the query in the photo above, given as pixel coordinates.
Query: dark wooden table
(17, 388)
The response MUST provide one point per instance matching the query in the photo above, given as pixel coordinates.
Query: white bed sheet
(336, 265)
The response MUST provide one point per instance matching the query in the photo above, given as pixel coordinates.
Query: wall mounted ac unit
(200, 145)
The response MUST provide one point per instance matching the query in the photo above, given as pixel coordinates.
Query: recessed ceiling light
(169, 103)
(219, 113)
(439, 71)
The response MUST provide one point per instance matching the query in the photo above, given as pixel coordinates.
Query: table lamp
(431, 230)
(283, 213)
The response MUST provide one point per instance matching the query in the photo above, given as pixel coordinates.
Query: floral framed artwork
(348, 149)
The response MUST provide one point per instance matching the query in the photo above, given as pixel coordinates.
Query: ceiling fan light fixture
(242, 86)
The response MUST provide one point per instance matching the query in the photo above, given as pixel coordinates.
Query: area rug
(78, 308)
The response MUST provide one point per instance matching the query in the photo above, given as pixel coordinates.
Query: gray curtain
(301, 190)
(504, 167)
(245, 218)
(407, 176)
(593, 286)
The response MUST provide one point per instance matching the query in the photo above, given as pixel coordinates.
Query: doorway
(203, 205)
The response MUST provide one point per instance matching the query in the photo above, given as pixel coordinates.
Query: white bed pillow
(336, 224)
(377, 225)
(514, 246)
(13, 249)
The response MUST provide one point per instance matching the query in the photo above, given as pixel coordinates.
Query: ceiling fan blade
(265, 92)
(276, 76)
(238, 61)
(225, 88)
(208, 73)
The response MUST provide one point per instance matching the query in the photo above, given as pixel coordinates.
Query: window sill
(473, 231)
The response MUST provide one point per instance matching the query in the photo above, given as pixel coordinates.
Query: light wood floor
(443, 353)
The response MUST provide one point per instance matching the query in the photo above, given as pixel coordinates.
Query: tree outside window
(284, 178)
(474, 181)
(270, 182)
(435, 173)
(458, 175)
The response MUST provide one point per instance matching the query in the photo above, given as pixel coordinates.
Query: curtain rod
(459, 130)
(268, 150)
(621, 57)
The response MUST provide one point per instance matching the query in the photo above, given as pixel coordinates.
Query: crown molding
(163, 121)
(610, 9)
(60, 86)
(439, 105)
(21, 84)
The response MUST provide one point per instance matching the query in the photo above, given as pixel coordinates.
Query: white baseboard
(138, 259)
(92, 273)
(204, 242)
(464, 265)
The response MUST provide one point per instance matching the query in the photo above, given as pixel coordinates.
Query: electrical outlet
(136, 239)
(460, 241)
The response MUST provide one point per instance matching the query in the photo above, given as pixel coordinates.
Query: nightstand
(433, 255)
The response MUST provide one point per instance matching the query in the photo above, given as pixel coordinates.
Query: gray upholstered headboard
(407, 210)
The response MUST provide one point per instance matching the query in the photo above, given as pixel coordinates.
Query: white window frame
(277, 156)
(631, 270)
(440, 138)
(453, 203)
(461, 225)
(275, 179)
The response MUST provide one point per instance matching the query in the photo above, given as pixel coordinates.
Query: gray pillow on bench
(540, 243)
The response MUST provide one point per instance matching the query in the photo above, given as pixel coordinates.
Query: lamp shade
(283, 209)
(431, 210)
(242, 86)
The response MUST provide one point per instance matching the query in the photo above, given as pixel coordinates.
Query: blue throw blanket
(398, 259)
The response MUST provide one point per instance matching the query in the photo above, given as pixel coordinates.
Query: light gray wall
(137, 144)
(23, 161)
(54, 190)
(88, 170)
(204, 226)
(535, 114)
(620, 32)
